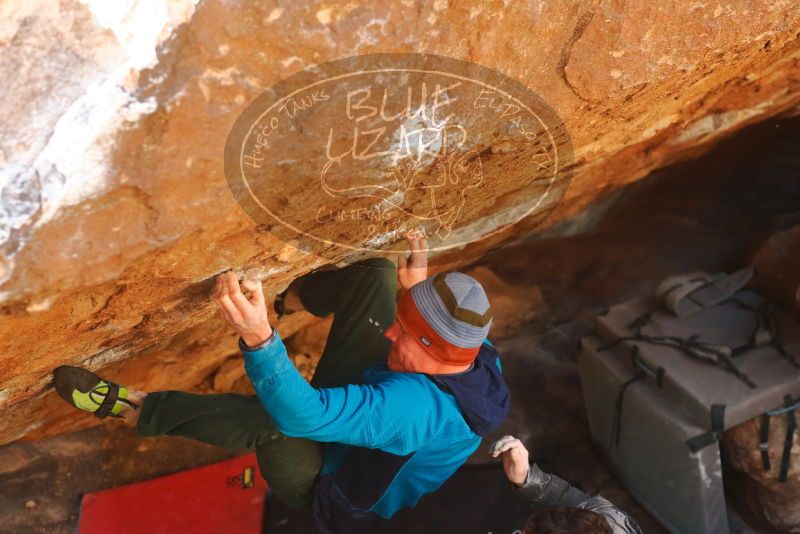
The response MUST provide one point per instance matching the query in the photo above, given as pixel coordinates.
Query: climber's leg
(362, 298)
(289, 465)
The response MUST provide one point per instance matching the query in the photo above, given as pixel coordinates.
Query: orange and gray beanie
(449, 314)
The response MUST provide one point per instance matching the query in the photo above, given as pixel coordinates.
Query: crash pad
(222, 497)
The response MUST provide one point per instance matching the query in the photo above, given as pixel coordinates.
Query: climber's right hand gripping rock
(247, 315)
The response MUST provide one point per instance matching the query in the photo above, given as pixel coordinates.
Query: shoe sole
(67, 378)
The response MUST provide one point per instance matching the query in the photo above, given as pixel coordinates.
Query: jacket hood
(481, 392)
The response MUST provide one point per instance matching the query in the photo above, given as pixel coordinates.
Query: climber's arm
(375, 416)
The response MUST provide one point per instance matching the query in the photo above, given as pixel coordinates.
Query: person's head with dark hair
(563, 520)
(567, 509)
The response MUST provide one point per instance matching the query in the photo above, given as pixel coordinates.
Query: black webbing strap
(636, 326)
(791, 425)
(109, 401)
(763, 442)
(775, 339)
(640, 322)
(765, 322)
(616, 422)
(692, 347)
(712, 436)
(728, 365)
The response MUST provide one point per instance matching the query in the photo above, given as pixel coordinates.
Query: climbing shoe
(88, 392)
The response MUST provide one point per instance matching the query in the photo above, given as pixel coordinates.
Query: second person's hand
(515, 458)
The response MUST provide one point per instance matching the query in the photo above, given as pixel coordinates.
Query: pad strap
(109, 401)
(791, 426)
(763, 444)
(712, 436)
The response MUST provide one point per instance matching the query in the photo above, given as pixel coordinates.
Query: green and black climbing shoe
(88, 392)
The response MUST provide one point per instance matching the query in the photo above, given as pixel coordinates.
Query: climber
(566, 509)
(403, 393)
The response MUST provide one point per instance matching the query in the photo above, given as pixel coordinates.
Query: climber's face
(406, 354)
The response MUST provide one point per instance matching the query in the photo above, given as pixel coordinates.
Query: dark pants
(362, 299)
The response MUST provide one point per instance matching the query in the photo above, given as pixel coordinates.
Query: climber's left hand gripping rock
(247, 315)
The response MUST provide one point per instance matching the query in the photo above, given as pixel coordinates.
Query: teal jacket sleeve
(375, 416)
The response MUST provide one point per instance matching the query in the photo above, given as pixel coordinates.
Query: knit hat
(449, 314)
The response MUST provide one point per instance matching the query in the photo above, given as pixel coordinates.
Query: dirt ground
(708, 214)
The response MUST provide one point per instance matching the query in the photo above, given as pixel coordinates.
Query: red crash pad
(223, 497)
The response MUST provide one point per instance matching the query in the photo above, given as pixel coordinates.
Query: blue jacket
(390, 440)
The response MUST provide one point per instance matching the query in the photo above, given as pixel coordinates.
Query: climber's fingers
(415, 246)
(235, 293)
(253, 285)
(225, 313)
(231, 282)
(223, 299)
(413, 268)
(505, 444)
(229, 309)
(419, 252)
(423, 251)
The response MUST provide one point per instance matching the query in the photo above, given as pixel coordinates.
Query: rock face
(776, 265)
(769, 503)
(115, 210)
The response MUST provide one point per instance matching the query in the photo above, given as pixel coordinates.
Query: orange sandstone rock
(116, 214)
